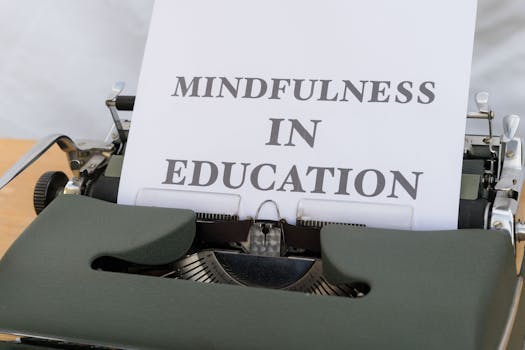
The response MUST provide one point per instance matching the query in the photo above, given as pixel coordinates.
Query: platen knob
(47, 188)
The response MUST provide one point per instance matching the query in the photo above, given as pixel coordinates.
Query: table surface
(16, 199)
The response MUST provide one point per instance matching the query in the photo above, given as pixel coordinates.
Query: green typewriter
(92, 274)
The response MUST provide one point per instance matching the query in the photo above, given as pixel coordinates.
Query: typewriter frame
(499, 186)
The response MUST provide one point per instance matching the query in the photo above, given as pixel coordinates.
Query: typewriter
(91, 274)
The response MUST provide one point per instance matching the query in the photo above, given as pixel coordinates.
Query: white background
(59, 58)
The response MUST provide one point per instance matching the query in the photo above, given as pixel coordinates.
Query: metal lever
(512, 166)
(111, 103)
(510, 126)
(482, 100)
(484, 112)
(63, 141)
(520, 232)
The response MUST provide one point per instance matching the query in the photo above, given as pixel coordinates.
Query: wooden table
(16, 199)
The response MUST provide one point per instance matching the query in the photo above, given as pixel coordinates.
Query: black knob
(47, 188)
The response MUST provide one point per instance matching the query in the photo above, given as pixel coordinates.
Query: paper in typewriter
(342, 111)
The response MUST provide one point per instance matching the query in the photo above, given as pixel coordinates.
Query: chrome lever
(111, 103)
(484, 112)
(482, 101)
(64, 142)
(510, 127)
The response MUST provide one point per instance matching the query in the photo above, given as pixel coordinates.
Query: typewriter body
(89, 273)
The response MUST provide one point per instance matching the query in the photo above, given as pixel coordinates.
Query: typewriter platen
(274, 254)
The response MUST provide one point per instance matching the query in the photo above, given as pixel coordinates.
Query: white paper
(402, 153)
